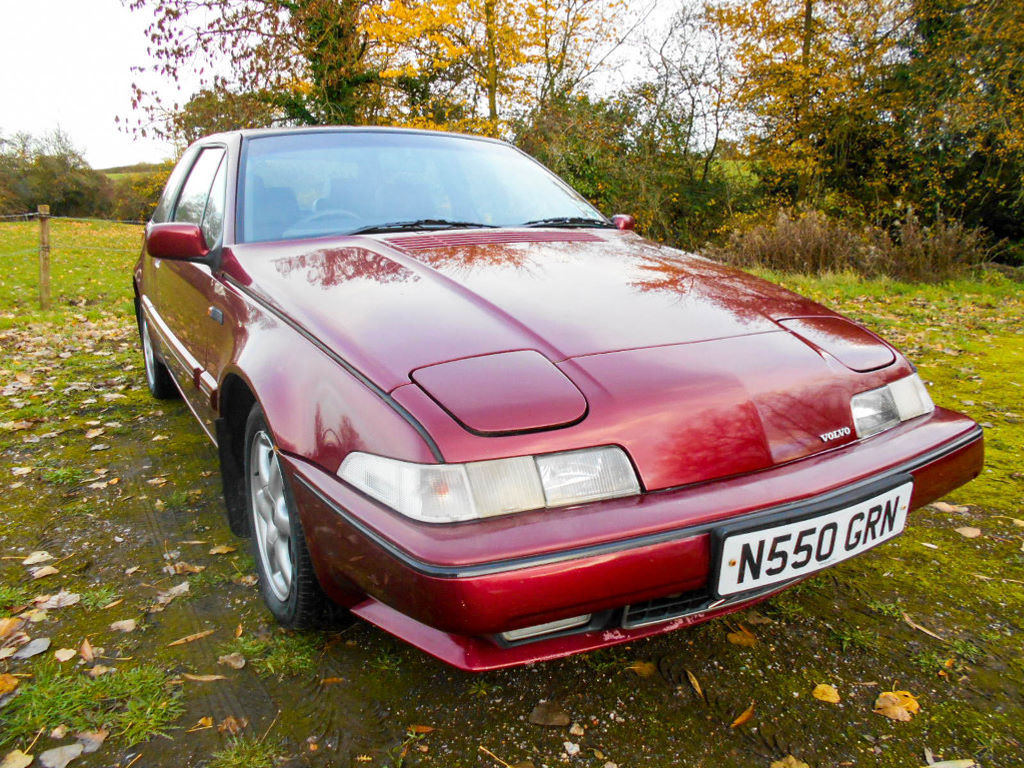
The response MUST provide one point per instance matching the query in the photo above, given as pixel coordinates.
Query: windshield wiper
(415, 224)
(568, 221)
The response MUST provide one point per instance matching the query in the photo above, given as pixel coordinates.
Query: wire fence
(46, 246)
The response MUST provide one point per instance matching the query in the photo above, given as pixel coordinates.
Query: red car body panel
(731, 397)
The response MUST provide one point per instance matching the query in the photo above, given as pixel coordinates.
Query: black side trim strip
(502, 566)
(362, 377)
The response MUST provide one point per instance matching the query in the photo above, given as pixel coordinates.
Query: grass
(133, 704)
(964, 336)
(97, 597)
(244, 752)
(281, 654)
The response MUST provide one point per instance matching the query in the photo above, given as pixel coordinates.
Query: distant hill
(137, 168)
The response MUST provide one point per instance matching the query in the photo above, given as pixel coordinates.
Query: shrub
(811, 242)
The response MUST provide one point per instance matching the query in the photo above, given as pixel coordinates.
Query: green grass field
(118, 488)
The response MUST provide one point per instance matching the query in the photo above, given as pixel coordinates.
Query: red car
(452, 397)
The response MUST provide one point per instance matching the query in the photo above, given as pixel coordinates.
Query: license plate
(764, 556)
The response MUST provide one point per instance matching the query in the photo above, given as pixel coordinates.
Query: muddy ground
(122, 494)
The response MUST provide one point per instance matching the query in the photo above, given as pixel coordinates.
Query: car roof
(249, 133)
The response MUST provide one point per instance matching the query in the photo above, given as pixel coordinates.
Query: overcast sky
(67, 63)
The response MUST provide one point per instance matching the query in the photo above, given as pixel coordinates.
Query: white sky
(67, 63)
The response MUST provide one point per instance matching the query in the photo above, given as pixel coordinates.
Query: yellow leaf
(643, 668)
(695, 685)
(85, 651)
(789, 762)
(203, 678)
(744, 716)
(897, 705)
(421, 728)
(826, 693)
(221, 549)
(742, 636)
(192, 638)
(8, 683)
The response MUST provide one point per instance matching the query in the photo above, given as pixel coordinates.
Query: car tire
(158, 378)
(287, 581)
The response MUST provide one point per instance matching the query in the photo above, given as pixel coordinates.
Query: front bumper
(450, 589)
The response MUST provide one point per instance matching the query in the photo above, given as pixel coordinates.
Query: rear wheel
(158, 378)
(287, 581)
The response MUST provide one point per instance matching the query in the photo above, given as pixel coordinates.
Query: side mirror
(624, 221)
(176, 241)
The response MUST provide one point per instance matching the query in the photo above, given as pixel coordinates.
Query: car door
(184, 290)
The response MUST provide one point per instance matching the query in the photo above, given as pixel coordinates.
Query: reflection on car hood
(390, 306)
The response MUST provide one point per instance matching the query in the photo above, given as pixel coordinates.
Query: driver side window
(194, 202)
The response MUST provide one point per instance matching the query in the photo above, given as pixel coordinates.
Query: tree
(300, 61)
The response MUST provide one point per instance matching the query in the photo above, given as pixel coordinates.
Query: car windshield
(345, 182)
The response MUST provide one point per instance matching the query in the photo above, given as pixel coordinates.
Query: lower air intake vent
(664, 608)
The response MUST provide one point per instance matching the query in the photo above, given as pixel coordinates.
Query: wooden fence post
(44, 257)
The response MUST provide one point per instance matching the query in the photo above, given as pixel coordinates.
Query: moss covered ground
(123, 494)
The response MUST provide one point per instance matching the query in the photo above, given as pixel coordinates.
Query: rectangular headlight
(880, 409)
(448, 493)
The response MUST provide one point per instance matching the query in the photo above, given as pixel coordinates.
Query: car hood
(393, 305)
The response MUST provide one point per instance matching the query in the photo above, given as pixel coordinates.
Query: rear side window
(194, 195)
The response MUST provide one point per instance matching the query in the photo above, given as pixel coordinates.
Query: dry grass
(811, 242)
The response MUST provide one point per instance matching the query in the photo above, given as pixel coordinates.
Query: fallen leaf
(92, 740)
(21, 471)
(16, 759)
(40, 556)
(421, 729)
(164, 597)
(742, 636)
(550, 714)
(9, 626)
(64, 654)
(201, 724)
(112, 603)
(203, 678)
(99, 447)
(181, 568)
(969, 532)
(789, 762)
(695, 685)
(825, 692)
(100, 670)
(232, 725)
(125, 625)
(221, 549)
(756, 618)
(966, 763)
(332, 680)
(43, 571)
(130, 571)
(192, 638)
(59, 757)
(93, 433)
(643, 668)
(897, 705)
(86, 652)
(8, 684)
(233, 660)
(33, 648)
(942, 506)
(238, 631)
(61, 600)
(744, 717)
(914, 625)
